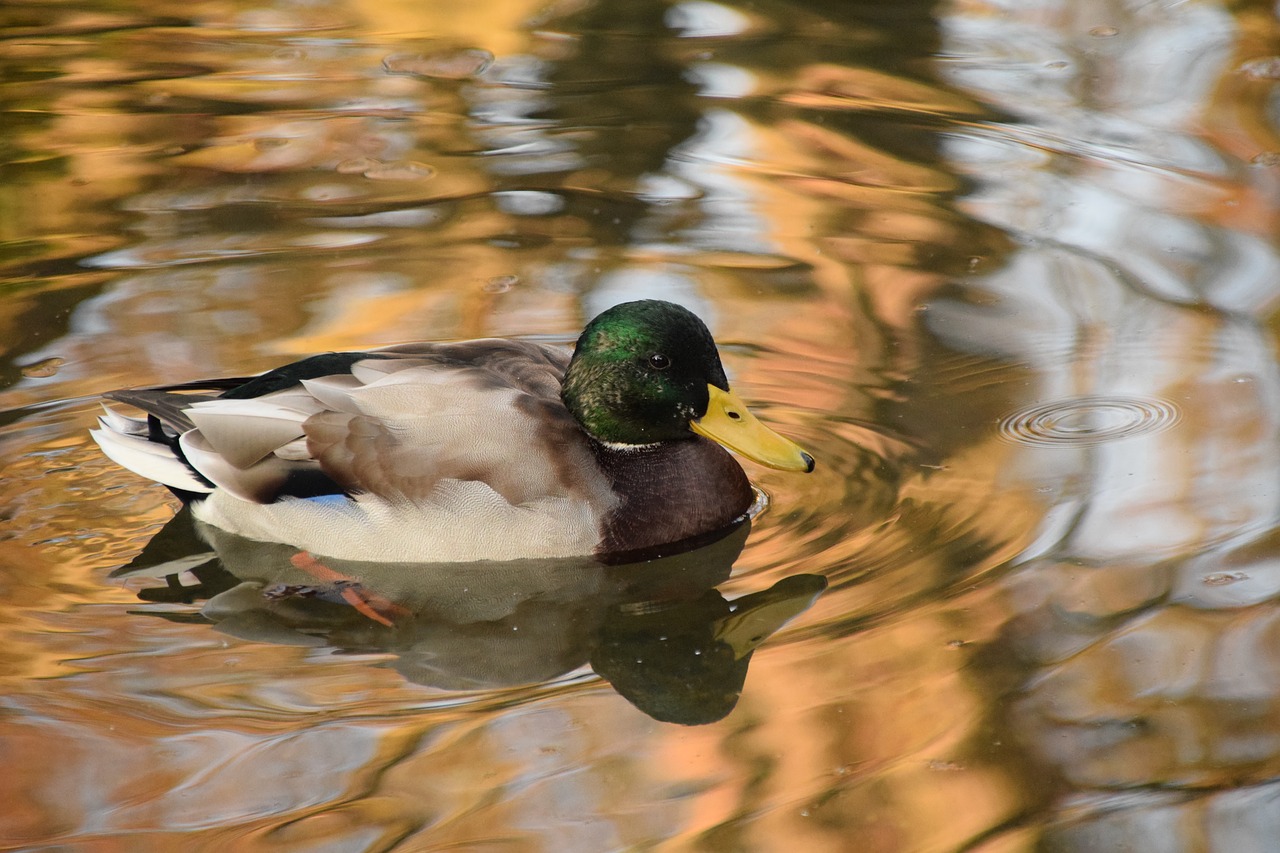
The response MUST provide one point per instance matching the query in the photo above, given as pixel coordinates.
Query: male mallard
(487, 449)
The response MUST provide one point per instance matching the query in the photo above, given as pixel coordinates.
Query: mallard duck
(488, 449)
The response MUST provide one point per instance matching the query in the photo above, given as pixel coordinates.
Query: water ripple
(1083, 421)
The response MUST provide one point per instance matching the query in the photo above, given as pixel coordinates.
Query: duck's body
(444, 452)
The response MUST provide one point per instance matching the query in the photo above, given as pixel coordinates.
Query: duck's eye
(658, 361)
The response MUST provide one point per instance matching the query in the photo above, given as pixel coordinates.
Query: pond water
(1009, 270)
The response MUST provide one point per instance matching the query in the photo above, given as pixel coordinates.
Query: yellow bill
(728, 422)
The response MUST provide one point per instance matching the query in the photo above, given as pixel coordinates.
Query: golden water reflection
(908, 225)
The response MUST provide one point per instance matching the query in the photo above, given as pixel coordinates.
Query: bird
(490, 449)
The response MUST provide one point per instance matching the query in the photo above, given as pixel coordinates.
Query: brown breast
(671, 492)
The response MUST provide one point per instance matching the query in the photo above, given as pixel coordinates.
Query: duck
(490, 449)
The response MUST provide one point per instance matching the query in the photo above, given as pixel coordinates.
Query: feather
(333, 392)
(123, 424)
(244, 439)
(153, 461)
(168, 407)
(259, 483)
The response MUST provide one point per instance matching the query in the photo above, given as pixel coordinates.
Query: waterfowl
(488, 449)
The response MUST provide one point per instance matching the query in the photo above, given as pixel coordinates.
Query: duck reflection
(656, 629)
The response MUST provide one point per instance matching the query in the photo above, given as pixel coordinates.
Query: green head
(648, 371)
(640, 373)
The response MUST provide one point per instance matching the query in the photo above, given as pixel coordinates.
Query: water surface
(1009, 271)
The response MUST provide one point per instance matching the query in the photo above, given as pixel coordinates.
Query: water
(1009, 271)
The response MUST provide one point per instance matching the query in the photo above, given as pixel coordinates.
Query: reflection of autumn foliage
(899, 234)
(1139, 652)
(282, 199)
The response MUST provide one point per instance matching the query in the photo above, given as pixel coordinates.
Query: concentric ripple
(1082, 421)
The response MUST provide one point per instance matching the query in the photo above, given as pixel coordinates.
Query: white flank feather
(151, 460)
(123, 424)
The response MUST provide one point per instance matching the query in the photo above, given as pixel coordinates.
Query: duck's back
(487, 411)
(423, 451)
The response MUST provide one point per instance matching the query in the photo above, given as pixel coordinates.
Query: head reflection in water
(659, 632)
